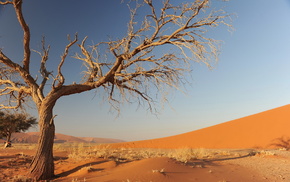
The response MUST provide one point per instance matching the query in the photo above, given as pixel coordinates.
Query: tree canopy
(127, 68)
(14, 123)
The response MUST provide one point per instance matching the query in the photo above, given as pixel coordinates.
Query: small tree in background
(150, 59)
(14, 123)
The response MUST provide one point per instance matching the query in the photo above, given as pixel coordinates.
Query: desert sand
(252, 149)
(259, 166)
(267, 129)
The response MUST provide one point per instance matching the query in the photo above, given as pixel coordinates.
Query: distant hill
(268, 129)
(32, 137)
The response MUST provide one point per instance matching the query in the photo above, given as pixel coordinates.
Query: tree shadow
(66, 173)
(281, 142)
(8, 156)
(232, 158)
(202, 163)
(57, 158)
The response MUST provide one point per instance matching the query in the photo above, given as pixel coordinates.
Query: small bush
(19, 178)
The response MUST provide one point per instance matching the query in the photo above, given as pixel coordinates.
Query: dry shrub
(264, 153)
(187, 154)
(20, 178)
(77, 180)
(21, 146)
(82, 151)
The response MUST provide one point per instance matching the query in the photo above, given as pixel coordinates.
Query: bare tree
(129, 70)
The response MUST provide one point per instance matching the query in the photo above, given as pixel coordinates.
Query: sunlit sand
(252, 149)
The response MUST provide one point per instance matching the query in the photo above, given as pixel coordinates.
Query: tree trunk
(8, 138)
(42, 166)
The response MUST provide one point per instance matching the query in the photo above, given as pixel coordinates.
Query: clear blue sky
(252, 74)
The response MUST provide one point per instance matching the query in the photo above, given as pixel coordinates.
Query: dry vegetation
(82, 155)
(85, 151)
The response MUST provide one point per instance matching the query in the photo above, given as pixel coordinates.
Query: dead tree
(131, 67)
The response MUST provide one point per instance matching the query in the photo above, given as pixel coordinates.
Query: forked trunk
(42, 166)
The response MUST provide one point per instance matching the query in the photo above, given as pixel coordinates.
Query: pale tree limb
(136, 64)
(13, 91)
(17, 68)
(6, 2)
(94, 69)
(26, 36)
(43, 71)
(60, 78)
(23, 71)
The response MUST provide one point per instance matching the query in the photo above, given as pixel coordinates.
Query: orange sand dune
(259, 130)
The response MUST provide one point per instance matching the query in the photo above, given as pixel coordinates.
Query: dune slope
(264, 130)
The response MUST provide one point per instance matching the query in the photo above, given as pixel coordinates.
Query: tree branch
(137, 64)
(24, 74)
(43, 71)
(15, 92)
(94, 69)
(26, 37)
(156, 53)
(60, 78)
(6, 2)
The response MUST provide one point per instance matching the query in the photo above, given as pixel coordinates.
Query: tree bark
(8, 138)
(42, 166)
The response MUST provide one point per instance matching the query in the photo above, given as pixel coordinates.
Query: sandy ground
(243, 160)
(243, 165)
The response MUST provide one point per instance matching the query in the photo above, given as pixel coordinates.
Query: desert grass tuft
(264, 153)
(21, 146)
(77, 180)
(162, 171)
(185, 155)
(20, 178)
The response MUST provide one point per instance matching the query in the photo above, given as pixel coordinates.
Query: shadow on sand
(202, 163)
(281, 142)
(199, 163)
(232, 158)
(66, 173)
